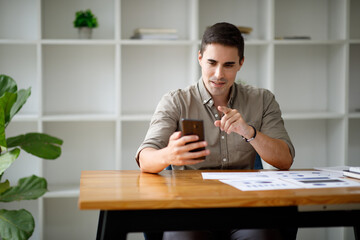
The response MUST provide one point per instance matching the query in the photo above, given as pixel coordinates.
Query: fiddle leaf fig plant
(20, 224)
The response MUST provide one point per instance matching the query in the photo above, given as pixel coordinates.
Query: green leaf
(8, 158)
(38, 144)
(7, 84)
(4, 186)
(2, 130)
(16, 224)
(28, 188)
(22, 96)
(6, 102)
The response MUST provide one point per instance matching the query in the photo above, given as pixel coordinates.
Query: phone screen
(194, 127)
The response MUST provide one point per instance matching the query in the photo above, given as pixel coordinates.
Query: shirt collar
(204, 94)
(232, 95)
(206, 97)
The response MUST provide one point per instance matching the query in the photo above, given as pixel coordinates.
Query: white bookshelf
(98, 95)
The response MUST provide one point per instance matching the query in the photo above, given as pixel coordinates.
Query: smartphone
(194, 127)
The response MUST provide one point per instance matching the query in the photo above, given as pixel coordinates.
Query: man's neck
(218, 101)
(221, 100)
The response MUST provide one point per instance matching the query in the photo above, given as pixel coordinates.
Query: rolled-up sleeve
(272, 122)
(163, 123)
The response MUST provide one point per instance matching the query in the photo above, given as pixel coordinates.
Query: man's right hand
(177, 152)
(179, 147)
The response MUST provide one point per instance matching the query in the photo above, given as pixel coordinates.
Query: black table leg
(357, 232)
(100, 226)
(106, 228)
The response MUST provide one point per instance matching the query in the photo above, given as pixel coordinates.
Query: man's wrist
(252, 136)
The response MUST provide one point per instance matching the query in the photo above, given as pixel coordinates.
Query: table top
(172, 189)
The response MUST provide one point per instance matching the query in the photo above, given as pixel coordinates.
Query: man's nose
(219, 73)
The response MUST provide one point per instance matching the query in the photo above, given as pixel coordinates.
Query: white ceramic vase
(85, 33)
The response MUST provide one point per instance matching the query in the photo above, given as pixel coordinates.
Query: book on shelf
(245, 30)
(353, 172)
(155, 34)
(293, 38)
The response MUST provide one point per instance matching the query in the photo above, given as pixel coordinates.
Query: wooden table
(131, 201)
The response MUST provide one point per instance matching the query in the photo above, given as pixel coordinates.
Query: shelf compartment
(84, 74)
(133, 135)
(19, 20)
(171, 14)
(58, 17)
(148, 72)
(317, 142)
(310, 78)
(320, 20)
(354, 142)
(15, 57)
(255, 70)
(354, 79)
(249, 13)
(63, 220)
(354, 19)
(87, 146)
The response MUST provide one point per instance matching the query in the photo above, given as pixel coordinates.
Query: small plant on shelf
(85, 21)
(20, 224)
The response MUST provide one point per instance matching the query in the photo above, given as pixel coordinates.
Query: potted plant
(85, 21)
(20, 224)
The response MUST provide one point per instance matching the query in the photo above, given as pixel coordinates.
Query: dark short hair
(223, 33)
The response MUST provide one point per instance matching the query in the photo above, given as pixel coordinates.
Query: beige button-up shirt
(257, 106)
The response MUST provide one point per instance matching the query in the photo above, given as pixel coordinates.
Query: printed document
(272, 180)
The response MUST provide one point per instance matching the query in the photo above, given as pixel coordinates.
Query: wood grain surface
(171, 189)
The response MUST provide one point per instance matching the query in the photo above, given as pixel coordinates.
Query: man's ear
(199, 57)
(241, 62)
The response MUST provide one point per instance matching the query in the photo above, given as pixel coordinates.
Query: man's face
(219, 65)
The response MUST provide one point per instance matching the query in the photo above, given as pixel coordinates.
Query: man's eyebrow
(226, 63)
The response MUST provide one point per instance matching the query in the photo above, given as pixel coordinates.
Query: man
(239, 121)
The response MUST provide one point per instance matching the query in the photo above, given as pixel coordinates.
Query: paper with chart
(231, 175)
(274, 180)
(252, 184)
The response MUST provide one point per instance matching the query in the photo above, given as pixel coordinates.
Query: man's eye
(212, 63)
(229, 65)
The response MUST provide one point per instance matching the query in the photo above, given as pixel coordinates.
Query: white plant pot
(85, 33)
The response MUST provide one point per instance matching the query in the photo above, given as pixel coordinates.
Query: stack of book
(353, 172)
(245, 30)
(155, 34)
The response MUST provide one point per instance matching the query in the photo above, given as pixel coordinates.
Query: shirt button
(211, 101)
(222, 137)
(224, 159)
(216, 115)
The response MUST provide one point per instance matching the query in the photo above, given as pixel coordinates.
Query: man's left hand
(232, 121)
